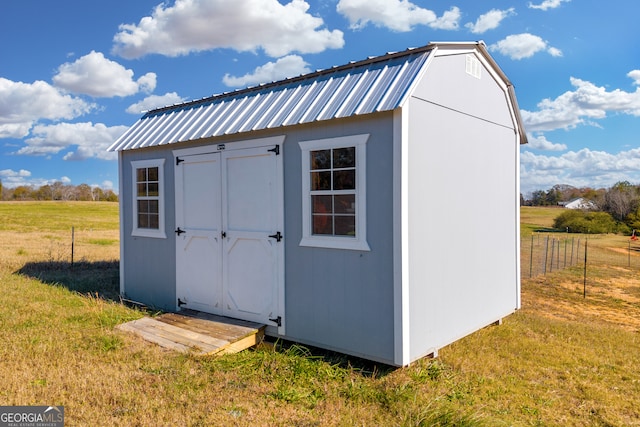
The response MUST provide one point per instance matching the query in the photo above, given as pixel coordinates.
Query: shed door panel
(199, 247)
(250, 217)
(229, 206)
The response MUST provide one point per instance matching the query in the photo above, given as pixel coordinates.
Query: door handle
(277, 236)
(179, 231)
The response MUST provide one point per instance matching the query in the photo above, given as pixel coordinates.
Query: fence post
(73, 239)
(553, 247)
(584, 292)
(546, 251)
(531, 259)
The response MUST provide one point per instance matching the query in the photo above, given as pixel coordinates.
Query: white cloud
(584, 168)
(397, 15)
(547, 4)
(90, 140)
(97, 76)
(155, 101)
(13, 179)
(519, 46)
(489, 20)
(635, 75)
(554, 51)
(587, 102)
(147, 83)
(106, 185)
(22, 104)
(244, 25)
(450, 20)
(539, 142)
(289, 66)
(10, 173)
(15, 130)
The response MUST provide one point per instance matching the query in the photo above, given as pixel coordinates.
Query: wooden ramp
(197, 333)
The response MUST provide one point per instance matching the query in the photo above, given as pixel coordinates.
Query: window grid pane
(344, 157)
(344, 179)
(345, 225)
(322, 224)
(321, 180)
(148, 193)
(333, 192)
(152, 174)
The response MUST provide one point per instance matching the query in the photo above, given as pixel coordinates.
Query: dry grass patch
(612, 296)
(561, 361)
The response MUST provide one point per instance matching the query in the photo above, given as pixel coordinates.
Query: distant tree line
(563, 193)
(620, 203)
(58, 191)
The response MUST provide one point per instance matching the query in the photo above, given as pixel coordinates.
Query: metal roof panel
(363, 87)
(199, 116)
(266, 99)
(280, 98)
(310, 91)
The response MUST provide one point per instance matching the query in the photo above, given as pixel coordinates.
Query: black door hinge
(277, 236)
(179, 231)
(275, 149)
(277, 321)
(179, 160)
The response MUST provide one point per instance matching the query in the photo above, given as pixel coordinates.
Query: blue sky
(74, 74)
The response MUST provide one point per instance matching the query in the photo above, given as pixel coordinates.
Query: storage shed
(370, 209)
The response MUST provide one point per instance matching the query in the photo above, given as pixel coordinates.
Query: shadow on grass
(364, 367)
(101, 278)
(548, 230)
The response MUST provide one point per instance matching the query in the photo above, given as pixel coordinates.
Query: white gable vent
(473, 66)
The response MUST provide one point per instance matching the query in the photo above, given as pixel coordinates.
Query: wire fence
(543, 253)
(79, 245)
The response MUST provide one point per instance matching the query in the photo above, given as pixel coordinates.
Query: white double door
(229, 247)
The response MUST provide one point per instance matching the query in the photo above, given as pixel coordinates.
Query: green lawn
(57, 216)
(536, 218)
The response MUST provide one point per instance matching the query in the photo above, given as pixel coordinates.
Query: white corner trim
(402, 331)
(122, 222)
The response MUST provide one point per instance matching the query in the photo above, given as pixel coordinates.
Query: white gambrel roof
(373, 85)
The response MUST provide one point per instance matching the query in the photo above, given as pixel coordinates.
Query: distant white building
(579, 203)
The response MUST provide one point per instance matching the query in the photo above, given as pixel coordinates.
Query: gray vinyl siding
(343, 299)
(149, 263)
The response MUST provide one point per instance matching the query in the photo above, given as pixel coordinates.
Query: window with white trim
(148, 198)
(334, 192)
